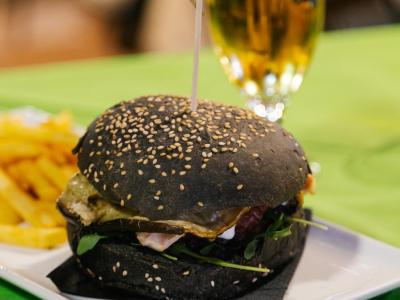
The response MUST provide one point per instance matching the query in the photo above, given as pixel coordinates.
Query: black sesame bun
(182, 172)
(154, 155)
(144, 273)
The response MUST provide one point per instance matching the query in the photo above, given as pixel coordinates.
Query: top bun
(152, 154)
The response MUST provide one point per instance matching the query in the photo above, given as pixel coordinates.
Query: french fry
(36, 181)
(32, 237)
(61, 122)
(23, 204)
(52, 172)
(14, 171)
(56, 155)
(36, 163)
(39, 135)
(7, 214)
(51, 208)
(12, 150)
(69, 170)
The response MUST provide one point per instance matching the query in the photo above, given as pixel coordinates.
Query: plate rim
(21, 281)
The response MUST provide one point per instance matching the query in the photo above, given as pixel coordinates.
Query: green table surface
(346, 115)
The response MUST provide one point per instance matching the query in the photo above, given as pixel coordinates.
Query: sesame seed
(239, 187)
(163, 174)
(115, 185)
(158, 193)
(157, 287)
(160, 207)
(236, 282)
(256, 155)
(201, 204)
(129, 197)
(236, 170)
(212, 283)
(150, 279)
(147, 275)
(188, 167)
(181, 187)
(140, 172)
(124, 273)
(123, 173)
(152, 181)
(158, 278)
(155, 266)
(186, 273)
(91, 273)
(231, 165)
(203, 166)
(254, 279)
(163, 290)
(122, 203)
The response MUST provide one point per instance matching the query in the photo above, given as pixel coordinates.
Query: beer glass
(265, 47)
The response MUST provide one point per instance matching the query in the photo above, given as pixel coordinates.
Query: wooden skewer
(197, 42)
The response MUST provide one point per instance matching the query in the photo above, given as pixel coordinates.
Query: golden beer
(265, 46)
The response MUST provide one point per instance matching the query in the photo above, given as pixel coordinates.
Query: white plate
(336, 264)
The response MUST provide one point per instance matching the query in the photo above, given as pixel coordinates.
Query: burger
(171, 203)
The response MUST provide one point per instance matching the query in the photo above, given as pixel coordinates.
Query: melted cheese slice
(81, 199)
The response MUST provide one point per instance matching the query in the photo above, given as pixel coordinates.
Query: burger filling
(235, 226)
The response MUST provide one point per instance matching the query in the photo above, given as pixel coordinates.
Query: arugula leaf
(175, 249)
(278, 234)
(278, 229)
(88, 242)
(207, 249)
(169, 256)
(179, 248)
(309, 223)
(276, 225)
(250, 249)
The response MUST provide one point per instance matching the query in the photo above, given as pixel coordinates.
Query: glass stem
(271, 108)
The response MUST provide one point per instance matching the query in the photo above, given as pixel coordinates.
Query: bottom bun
(143, 272)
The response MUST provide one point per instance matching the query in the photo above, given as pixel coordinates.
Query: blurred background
(40, 31)
(346, 116)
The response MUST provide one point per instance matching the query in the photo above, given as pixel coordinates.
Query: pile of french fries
(35, 165)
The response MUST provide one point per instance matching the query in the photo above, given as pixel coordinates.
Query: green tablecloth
(346, 115)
